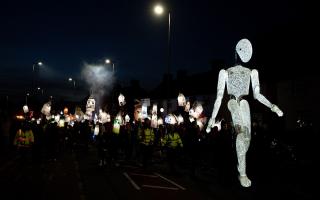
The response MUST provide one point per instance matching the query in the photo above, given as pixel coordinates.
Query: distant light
(161, 109)
(70, 79)
(158, 9)
(40, 63)
(28, 94)
(108, 61)
(38, 88)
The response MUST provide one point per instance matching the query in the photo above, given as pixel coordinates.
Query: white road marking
(131, 181)
(170, 181)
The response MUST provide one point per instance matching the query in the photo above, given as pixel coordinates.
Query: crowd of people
(178, 146)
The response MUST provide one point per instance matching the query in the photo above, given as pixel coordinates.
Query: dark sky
(66, 34)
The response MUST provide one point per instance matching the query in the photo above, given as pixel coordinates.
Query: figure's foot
(244, 181)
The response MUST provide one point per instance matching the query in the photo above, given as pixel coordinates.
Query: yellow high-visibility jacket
(172, 141)
(147, 137)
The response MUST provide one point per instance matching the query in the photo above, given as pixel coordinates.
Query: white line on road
(146, 175)
(131, 181)
(170, 181)
(160, 187)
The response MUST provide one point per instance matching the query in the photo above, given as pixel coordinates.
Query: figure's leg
(241, 119)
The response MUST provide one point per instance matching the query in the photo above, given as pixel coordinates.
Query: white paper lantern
(180, 119)
(46, 108)
(57, 118)
(61, 123)
(90, 107)
(25, 109)
(170, 119)
(154, 121)
(67, 118)
(103, 117)
(144, 111)
(96, 130)
(121, 100)
(127, 118)
(181, 100)
(160, 121)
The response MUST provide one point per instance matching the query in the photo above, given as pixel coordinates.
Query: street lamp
(108, 61)
(33, 73)
(159, 10)
(36, 64)
(71, 80)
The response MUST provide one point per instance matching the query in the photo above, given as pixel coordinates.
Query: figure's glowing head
(244, 50)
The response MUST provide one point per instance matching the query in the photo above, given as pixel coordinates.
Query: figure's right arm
(222, 79)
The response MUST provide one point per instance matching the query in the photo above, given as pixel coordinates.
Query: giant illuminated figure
(237, 79)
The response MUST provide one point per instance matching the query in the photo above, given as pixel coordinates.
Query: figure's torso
(238, 81)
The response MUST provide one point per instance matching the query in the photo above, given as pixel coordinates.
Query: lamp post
(38, 64)
(73, 81)
(108, 61)
(159, 10)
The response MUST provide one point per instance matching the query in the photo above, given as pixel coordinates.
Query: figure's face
(244, 50)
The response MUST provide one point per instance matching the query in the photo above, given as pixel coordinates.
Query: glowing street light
(36, 64)
(108, 61)
(159, 10)
(39, 64)
(73, 81)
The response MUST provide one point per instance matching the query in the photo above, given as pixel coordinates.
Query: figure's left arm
(257, 95)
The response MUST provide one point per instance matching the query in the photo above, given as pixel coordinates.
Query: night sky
(66, 34)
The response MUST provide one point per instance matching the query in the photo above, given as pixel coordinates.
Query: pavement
(76, 175)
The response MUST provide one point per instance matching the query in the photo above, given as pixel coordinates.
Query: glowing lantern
(25, 109)
(170, 119)
(154, 117)
(160, 121)
(65, 110)
(67, 118)
(116, 124)
(121, 100)
(79, 115)
(154, 109)
(90, 107)
(46, 108)
(103, 117)
(127, 118)
(154, 121)
(161, 110)
(96, 130)
(144, 112)
(181, 100)
(108, 118)
(180, 119)
(57, 118)
(61, 123)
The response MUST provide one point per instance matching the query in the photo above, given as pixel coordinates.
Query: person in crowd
(147, 141)
(173, 144)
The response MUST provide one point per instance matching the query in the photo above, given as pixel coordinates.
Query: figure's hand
(210, 125)
(277, 110)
